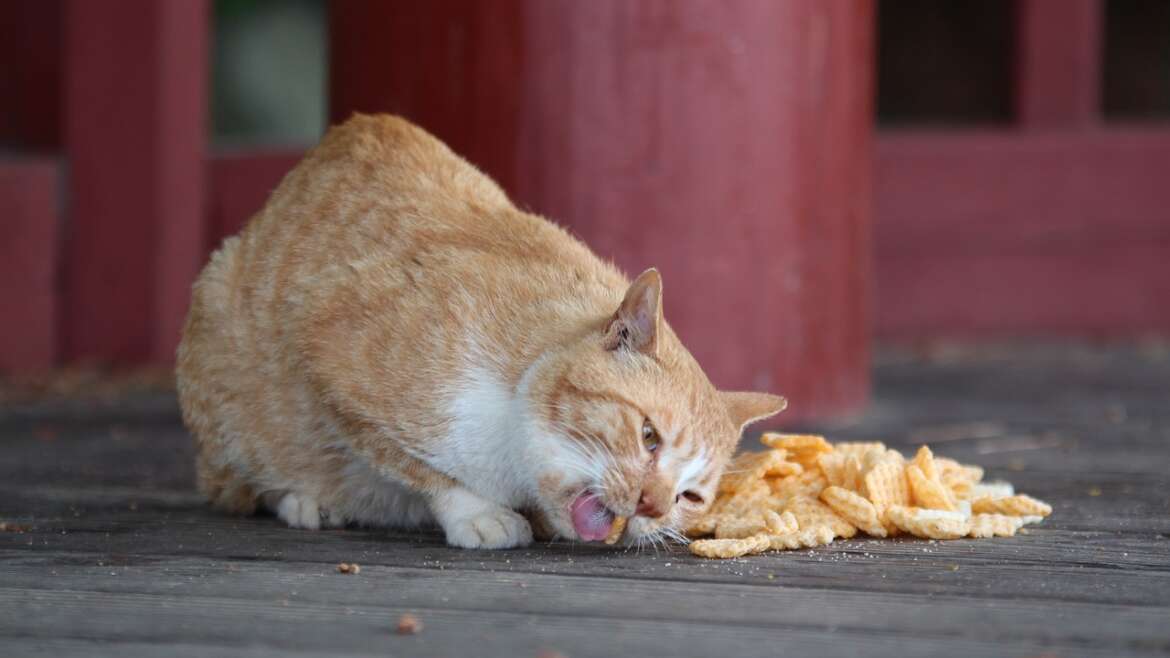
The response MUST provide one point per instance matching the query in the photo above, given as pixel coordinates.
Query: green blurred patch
(269, 68)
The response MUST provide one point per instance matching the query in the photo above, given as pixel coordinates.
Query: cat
(390, 342)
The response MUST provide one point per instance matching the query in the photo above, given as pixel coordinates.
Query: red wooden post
(239, 186)
(28, 263)
(1059, 62)
(136, 104)
(454, 66)
(726, 143)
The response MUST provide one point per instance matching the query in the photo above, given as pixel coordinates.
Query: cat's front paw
(496, 528)
(299, 511)
(474, 522)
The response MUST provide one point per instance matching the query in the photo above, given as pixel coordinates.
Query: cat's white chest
(486, 448)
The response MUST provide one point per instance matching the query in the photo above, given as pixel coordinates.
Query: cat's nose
(647, 506)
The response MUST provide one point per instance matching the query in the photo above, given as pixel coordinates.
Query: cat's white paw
(472, 522)
(299, 511)
(498, 528)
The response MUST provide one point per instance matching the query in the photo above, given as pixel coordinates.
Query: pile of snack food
(805, 492)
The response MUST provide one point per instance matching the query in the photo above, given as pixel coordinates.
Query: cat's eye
(692, 497)
(650, 437)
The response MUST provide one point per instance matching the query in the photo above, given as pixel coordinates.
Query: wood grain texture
(121, 554)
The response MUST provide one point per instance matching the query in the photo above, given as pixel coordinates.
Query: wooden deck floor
(122, 558)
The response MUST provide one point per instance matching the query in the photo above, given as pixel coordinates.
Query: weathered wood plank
(1045, 565)
(69, 647)
(765, 603)
(281, 623)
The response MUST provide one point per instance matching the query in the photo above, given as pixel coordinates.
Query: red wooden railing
(1058, 224)
(28, 262)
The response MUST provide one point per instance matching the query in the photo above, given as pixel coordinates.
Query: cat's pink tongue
(591, 519)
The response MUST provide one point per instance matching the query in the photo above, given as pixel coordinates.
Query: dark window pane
(1137, 59)
(945, 62)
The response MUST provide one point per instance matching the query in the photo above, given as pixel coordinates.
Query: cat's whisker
(595, 458)
(576, 467)
(590, 437)
(585, 453)
(580, 460)
(675, 535)
(609, 460)
(663, 538)
(654, 541)
(592, 445)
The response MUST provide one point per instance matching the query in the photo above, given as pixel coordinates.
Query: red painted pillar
(135, 133)
(1058, 78)
(29, 196)
(454, 66)
(728, 144)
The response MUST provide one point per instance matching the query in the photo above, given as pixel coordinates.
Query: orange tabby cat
(391, 342)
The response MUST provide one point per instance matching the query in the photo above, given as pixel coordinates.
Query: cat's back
(371, 186)
(374, 188)
(378, 189)
(382, 219)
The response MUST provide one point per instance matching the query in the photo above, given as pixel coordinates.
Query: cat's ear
(747, 408)
(637, 323)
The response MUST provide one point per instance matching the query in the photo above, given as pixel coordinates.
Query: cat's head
(631, 426)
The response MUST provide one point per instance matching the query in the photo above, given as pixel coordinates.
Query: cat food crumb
(549, 653)
(408, 624)
(346, 567)
(615, 533)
